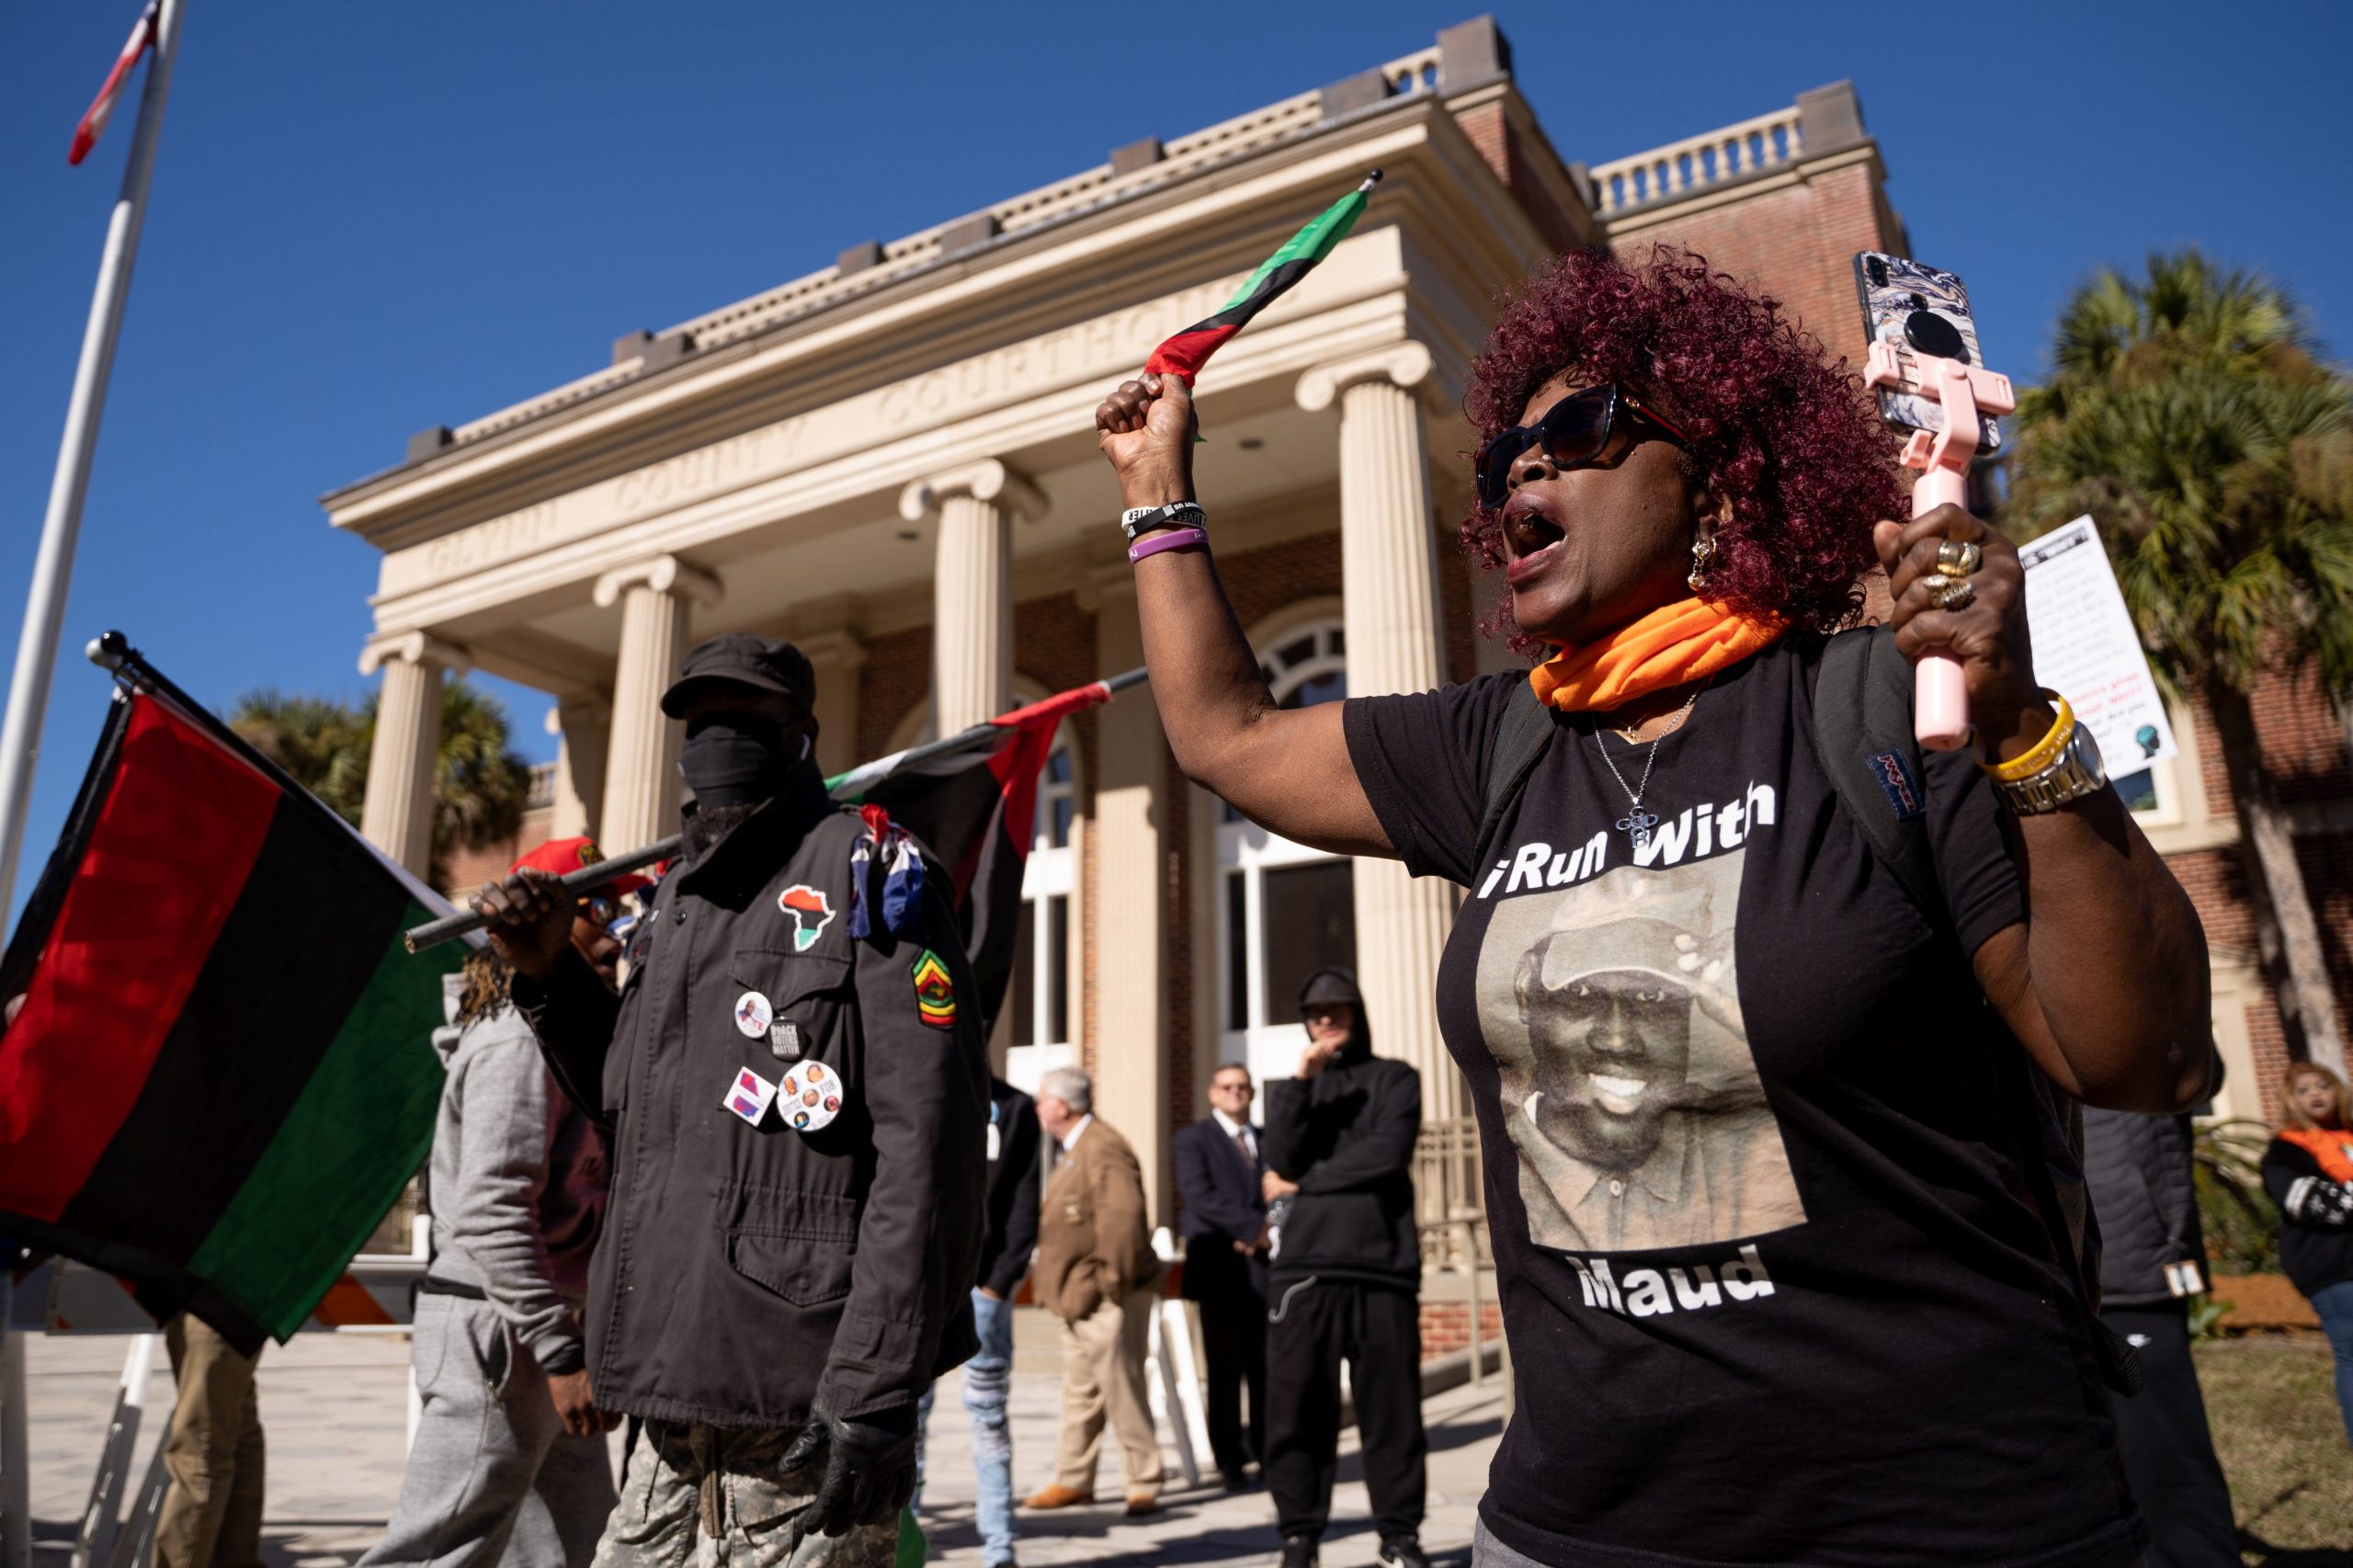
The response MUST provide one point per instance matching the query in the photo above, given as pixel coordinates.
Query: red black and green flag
(972, 799)
(1184, 354)
(221, 1073)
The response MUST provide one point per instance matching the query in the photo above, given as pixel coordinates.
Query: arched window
(1284, 910)
(1040, 1003)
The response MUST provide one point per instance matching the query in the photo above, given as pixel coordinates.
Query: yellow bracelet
(2045, 752)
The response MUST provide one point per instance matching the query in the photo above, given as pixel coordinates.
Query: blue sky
(372, 218)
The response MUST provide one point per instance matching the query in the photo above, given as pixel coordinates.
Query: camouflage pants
(713, 1497)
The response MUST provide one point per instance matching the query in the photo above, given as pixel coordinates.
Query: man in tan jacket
(1095, 1271)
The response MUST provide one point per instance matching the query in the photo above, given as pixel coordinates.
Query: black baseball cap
(738, 658)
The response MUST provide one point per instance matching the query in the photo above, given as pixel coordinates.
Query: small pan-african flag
(1184, 354)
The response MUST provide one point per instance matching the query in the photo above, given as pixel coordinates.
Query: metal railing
(1449, 1207)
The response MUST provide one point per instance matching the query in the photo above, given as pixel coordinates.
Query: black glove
(869, 1469)
(2316, 1201)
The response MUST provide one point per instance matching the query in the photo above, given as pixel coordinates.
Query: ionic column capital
(413, 648)
(664, 574)
(1407, 364)
(836, 649)
(988, 480)
(578, 707)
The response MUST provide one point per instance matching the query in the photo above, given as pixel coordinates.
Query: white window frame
(1270, 1041)
(1047, 872)
(1050, 871)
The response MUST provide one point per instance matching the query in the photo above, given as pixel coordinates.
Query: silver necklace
(1636, 823)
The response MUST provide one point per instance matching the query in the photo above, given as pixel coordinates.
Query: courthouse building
(891, 461)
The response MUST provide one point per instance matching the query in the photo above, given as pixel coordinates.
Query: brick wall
(1796, 243)
(896, 676)
(1446, 1326)
(469, 868)
(2304, 748)
(1489, 127)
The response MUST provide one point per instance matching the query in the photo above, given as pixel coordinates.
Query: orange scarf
(2332, 1147)
(1685, 641)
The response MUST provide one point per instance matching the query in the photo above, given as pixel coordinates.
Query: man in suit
(1095, 1271)
(1217, 1175)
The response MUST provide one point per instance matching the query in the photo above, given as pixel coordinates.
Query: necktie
(1242, 1142)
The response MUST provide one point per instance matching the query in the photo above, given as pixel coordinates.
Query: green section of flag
(355, 1134)
(912, 1545)
(1311, 244)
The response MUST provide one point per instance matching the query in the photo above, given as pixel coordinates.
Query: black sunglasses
(1573, 433)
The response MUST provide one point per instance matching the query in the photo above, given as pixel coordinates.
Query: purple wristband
(1175, 539)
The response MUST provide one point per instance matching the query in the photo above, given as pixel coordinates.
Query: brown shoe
(1060, 1497)
(1142, 1503)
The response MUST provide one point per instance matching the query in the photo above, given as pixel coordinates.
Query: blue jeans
(988, 1378)
(2335, 1305)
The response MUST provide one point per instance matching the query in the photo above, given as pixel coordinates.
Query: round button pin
(753, 1013)
(814, 1107)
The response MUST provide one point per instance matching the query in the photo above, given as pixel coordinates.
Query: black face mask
(733, 758)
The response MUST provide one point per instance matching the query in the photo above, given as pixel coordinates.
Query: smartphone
(1920, 309)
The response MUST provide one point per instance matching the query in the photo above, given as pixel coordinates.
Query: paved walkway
(333, 1406)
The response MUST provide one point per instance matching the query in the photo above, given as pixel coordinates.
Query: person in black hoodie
(2153, 1256)
(1346, 1270)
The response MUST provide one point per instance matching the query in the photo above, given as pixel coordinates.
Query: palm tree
(2189, 413)
(321, 743)
(481, 782)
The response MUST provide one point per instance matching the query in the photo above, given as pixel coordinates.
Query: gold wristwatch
(2074, 773)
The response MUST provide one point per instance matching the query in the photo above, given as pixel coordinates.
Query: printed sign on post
(2086, 648)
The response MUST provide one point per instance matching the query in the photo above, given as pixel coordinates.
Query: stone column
(1133, 1057)
(583, 725)
(972, 590)
(642, 764)
(1389, 580)
(398, 813)
(836, 656)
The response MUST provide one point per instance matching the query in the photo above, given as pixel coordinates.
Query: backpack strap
(1527, 728)
(1862, 734)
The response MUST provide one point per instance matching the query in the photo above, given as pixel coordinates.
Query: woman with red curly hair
(1776, 1215)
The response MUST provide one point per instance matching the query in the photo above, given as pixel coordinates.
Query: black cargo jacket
(745, 1270)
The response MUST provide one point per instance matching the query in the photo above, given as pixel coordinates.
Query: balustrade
(1697, 162)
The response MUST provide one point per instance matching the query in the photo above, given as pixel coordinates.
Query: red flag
(972, 805)
(93, 119)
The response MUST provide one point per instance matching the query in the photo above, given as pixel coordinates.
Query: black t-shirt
(1775, 1287)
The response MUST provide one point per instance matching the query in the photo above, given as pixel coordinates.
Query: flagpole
(53, 567)
(588, 879)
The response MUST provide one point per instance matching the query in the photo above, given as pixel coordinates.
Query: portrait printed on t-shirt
(1628, 1084)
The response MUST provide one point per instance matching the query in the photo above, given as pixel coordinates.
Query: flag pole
(53, 567)
(588, 879)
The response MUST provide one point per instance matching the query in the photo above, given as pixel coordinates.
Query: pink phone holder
(1940, 698)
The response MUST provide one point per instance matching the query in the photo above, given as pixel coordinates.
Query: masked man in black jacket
(1346, 1270)
(797, 1120)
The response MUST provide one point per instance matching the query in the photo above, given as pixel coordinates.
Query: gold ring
(1948, 593)
(1959, 558)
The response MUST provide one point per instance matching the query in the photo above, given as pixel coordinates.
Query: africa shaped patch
(934, 992)
(810, 913)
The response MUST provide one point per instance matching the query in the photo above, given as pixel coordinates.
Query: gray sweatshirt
(517, 1182)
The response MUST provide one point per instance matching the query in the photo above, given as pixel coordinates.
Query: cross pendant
(1637, 824)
